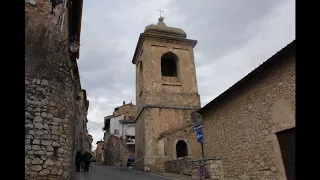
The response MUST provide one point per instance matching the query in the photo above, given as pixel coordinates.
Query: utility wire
(95, 123)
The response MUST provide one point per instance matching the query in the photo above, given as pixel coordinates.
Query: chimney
(124, 102)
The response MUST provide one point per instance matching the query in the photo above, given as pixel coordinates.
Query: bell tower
(166, 94)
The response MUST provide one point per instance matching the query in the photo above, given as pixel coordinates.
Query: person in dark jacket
(78, 160)
(87, 159)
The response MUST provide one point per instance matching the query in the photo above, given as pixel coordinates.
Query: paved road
(101, 172)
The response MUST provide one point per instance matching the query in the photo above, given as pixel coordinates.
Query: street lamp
(73, 44)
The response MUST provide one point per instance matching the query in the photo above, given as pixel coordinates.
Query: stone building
(52, 85)
(99, 151)
(166, 94)
(94, 154)
(126, 109)
(251, 126)
(90, 139)
(119, 135)
(81, 141)
(119, 143)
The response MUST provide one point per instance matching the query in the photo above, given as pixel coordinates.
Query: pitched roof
(272, 60)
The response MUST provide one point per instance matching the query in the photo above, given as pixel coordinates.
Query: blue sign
(203, 172)
(195, 128)
(199, 136)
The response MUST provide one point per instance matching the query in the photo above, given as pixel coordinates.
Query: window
(169, 64)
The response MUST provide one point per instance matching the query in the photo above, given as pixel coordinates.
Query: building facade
(90, 140)
(251, 126)
(119, 135)
(166, 94)
(81, 141)
(94, 154)
(52, 85)
(100, 151)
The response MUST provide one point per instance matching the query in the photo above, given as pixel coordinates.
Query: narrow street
(101, 172)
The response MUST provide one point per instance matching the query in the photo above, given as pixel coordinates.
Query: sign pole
(202, 152)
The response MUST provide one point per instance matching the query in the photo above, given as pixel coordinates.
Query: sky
(234, 37)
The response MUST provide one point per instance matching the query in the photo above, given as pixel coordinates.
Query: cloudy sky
(234, 37)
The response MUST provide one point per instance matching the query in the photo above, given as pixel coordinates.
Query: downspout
(64, 11)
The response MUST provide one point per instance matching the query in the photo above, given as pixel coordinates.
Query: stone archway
(181, 149)
(282, 136)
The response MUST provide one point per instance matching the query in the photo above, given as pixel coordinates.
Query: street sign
(200, 136)
(195, 128)
(203, 172)
(196, 118)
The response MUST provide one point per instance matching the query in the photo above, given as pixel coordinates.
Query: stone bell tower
(166, 94)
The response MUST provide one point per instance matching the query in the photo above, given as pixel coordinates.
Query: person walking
(78, 160)
(87, 160)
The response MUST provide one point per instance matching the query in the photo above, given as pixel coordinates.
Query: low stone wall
(117, 153)
(213, 165)
(179, 166)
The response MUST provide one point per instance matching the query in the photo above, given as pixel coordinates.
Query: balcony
(130, 140)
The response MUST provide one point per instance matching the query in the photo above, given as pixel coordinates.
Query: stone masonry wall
(241, 128)
(118, 153)
(51, 88)
(213, 166)
(127, 110)
(179, 166)
(48, 132)
(189, 166)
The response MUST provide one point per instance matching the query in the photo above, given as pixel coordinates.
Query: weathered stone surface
(50, 116)
(36, 142)
(54, 144)
(38, 119)
(38, 125)
(46, 143)
(44, 82)
(44, 114)
(36, 168)
(39, 152)
(28, 115)
(46, 136)
(37, 161)
(28, 126)
(36, 147)
(49, 153)
(44, 172)
(27, 141)
(55, 119)
(57, 163)
(49, 162)
(54, 171)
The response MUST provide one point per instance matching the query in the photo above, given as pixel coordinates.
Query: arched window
(169, 64)
(181, 149)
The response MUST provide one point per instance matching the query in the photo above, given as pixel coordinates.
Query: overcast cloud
(234, 37)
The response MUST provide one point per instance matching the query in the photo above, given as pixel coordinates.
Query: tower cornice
(166, 37)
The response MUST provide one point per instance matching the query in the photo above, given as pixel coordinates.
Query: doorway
(181, 149)
(287, 144)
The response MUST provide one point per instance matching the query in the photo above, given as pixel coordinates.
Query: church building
(166, 94)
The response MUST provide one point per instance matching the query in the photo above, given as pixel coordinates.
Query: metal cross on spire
(160, 11)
